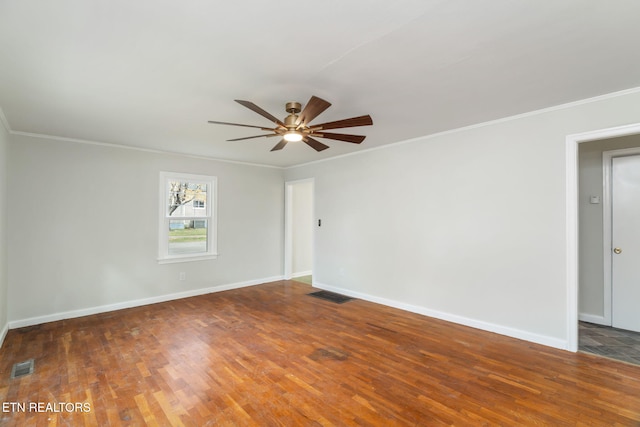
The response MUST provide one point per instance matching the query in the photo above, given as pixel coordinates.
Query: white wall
(4, 284)
(591, 295)
(83, 229)
(302, 218)
(469, 226)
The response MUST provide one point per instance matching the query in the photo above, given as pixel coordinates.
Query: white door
(625, 248)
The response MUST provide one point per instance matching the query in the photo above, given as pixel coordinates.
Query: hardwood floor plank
(271, 355)
(145, 411)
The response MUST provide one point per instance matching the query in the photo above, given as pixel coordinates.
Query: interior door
(625, 250)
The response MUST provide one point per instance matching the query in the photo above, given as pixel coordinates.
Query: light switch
(594, 200)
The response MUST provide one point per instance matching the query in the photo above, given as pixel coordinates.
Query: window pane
(186, 199)
(187, 236)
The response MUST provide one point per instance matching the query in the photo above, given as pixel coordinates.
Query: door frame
(607, 225)
(288, 225)
(572, 202)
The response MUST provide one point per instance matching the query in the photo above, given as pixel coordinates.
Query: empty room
(319, 213)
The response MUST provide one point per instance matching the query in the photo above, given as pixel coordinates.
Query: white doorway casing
(292, 226)
(572, 235)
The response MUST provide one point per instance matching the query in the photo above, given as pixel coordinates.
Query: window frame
(211, 210)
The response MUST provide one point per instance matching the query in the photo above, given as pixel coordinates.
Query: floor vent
(21, 369)
(330, 296)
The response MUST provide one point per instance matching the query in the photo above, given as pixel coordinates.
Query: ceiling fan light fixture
(296, 127)
(292, 136)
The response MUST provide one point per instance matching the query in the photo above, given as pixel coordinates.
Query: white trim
(607, 225)
(480, 125)
(606, 237)
(571, 238)
(571, 219)
(211, 211)
(288, 226)
(591, 318)
(136, 303)
(624, 152)
(145, 150)
(380, 147)
(3, 334)
(187, 258)
(473, 323)
(5, 124)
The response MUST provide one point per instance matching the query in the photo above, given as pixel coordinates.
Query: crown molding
(572, 104)
(146, 150)
(481, 125)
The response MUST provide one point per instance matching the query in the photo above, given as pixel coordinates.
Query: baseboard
(591, 318)
(134, 303)
(3, 334)
(301, 274)
(461, 320)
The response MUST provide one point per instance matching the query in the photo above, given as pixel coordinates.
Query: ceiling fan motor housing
(290, 121)
(293, 107)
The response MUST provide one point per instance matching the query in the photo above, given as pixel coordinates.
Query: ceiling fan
(296, 127)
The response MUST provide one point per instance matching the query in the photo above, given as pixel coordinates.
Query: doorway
(588, 222)
(299, 214)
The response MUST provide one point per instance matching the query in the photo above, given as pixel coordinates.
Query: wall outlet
(183, 276)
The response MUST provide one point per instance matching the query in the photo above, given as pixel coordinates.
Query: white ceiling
(150, 73)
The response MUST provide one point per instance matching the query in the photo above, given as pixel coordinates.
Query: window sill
(173, 260)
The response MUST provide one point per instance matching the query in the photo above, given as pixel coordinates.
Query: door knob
(617, 251)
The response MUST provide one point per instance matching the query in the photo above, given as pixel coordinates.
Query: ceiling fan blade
(356, 139)
(239, 124)
(346, 123)
(280, 145)
(316, 145)
(248, 137)
(313, 109)
(253, 107)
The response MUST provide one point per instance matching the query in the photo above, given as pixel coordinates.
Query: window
(187, 217)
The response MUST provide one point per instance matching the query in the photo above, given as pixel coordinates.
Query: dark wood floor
(270, 355)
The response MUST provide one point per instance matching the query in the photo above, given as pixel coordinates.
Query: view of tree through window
(187, 208)
(188, 231)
